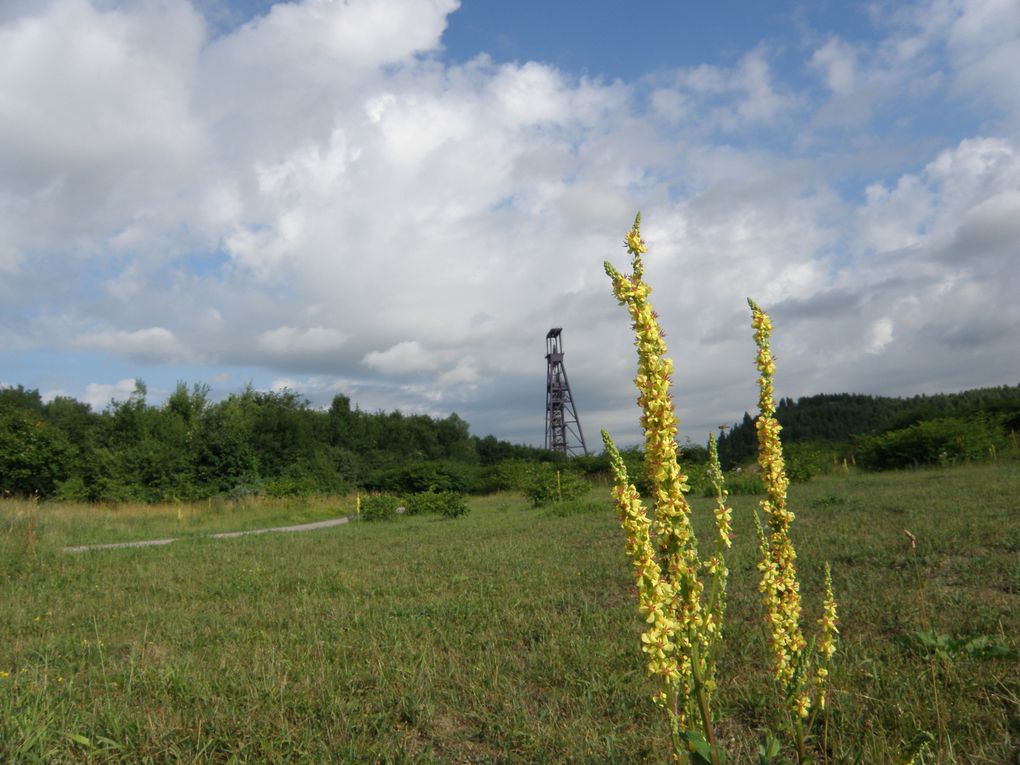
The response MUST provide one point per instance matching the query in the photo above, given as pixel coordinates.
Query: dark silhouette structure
(562, 428)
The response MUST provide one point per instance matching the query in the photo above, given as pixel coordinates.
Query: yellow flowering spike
(636, 246)
(716, 565)
(723, 513)
(674, 609)
(777, 559)
(780, 587)
(671, 525)
(655, 594)
(829, 635)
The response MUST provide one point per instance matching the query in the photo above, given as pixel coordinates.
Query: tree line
(252, 442)
(886, 432)
(276, 443)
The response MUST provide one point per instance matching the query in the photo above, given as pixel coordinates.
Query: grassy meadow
(509, 635)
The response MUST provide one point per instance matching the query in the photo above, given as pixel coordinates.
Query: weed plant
(681, 594)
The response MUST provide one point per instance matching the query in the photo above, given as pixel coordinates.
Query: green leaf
(987, 647)
(697, 746)
(108, 743)
(768, 748)
(79, 739)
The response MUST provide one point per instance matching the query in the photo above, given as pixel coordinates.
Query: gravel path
(222, 535)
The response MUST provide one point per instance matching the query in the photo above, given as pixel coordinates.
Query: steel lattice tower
(562, 428)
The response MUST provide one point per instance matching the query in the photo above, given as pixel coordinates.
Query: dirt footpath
(222, 535)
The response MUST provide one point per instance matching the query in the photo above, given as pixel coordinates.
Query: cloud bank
(319, 195)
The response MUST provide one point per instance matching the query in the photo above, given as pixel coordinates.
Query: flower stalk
(685, 625)
(779, 585)
(682, 596)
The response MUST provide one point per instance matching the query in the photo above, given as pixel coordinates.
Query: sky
(395, 200)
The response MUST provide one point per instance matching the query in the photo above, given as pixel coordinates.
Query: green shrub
(512, 475)
(634, 460)
(807, 460)
(419, 476)
(290, 486)
(698, 479)
(454, 505)
(379, 507)
(245, 487)
(548, 485)
(423, 503)
(450, 504)
(744, 482)
(933, 442)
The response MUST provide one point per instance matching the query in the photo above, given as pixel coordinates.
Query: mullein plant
(681, 595)
(800, 670)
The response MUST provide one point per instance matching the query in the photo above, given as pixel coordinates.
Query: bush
(291, 486)
(807, 460)
(450, 504)
(511, 475)
(379, 507)
(454, 505)
(933, 442)
(744, 482)
(548, 485)
(698, 480)
(422, 476)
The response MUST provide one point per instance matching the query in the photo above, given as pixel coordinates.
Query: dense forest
(252, 442)
(885, 432)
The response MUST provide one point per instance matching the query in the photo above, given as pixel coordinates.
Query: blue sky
(395, 199)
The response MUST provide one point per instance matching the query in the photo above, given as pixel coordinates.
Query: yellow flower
(634, 244)
(803, 705)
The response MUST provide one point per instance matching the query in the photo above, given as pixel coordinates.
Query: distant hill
(844, 417)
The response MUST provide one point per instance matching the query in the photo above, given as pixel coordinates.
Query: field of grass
(506, 636)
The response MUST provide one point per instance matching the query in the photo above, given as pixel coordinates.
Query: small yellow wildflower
(803, 705)
(634, 243)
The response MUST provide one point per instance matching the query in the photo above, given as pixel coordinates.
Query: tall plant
(681, 594)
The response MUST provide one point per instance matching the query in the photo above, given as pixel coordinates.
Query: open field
(505, 636)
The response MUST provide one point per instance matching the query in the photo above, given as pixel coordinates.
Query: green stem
(927, 625)
(825, 735)
(682, 755)
(703, 706)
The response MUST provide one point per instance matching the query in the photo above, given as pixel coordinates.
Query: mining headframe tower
(562, 427)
